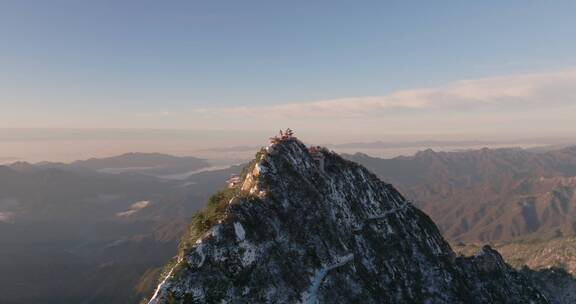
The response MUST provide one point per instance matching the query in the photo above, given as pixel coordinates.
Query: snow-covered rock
(298, 234)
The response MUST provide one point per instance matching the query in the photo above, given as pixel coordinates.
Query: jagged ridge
(302, 232)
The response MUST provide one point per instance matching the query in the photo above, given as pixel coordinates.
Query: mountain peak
(306, 226)
(428, 153)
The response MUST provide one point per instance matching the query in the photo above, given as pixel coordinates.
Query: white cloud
(134, 208)
(504, 92)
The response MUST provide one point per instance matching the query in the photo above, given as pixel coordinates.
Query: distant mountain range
(81, 235)
(422, 143)
(154, 164)
(488, 194)
(104, 227)
(549, 264)
(536, 254)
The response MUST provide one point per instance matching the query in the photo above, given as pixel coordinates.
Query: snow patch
(391, 211)
(200, 251)
(311, 295)
(240, 233)
(164, 284)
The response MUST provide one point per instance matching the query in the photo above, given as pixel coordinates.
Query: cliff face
(316, 228)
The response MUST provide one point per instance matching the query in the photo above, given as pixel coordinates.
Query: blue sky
(189, 64)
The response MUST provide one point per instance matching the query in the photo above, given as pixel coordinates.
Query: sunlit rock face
(303, 231)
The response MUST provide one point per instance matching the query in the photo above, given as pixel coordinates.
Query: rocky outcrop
(295, 232)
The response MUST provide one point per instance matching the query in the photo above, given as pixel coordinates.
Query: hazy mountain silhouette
(81, 236)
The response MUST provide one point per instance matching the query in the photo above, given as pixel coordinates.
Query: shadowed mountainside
(82, 236)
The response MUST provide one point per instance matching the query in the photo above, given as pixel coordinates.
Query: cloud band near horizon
(509, 92)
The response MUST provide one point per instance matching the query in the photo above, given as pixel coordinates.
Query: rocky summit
(304, 225)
